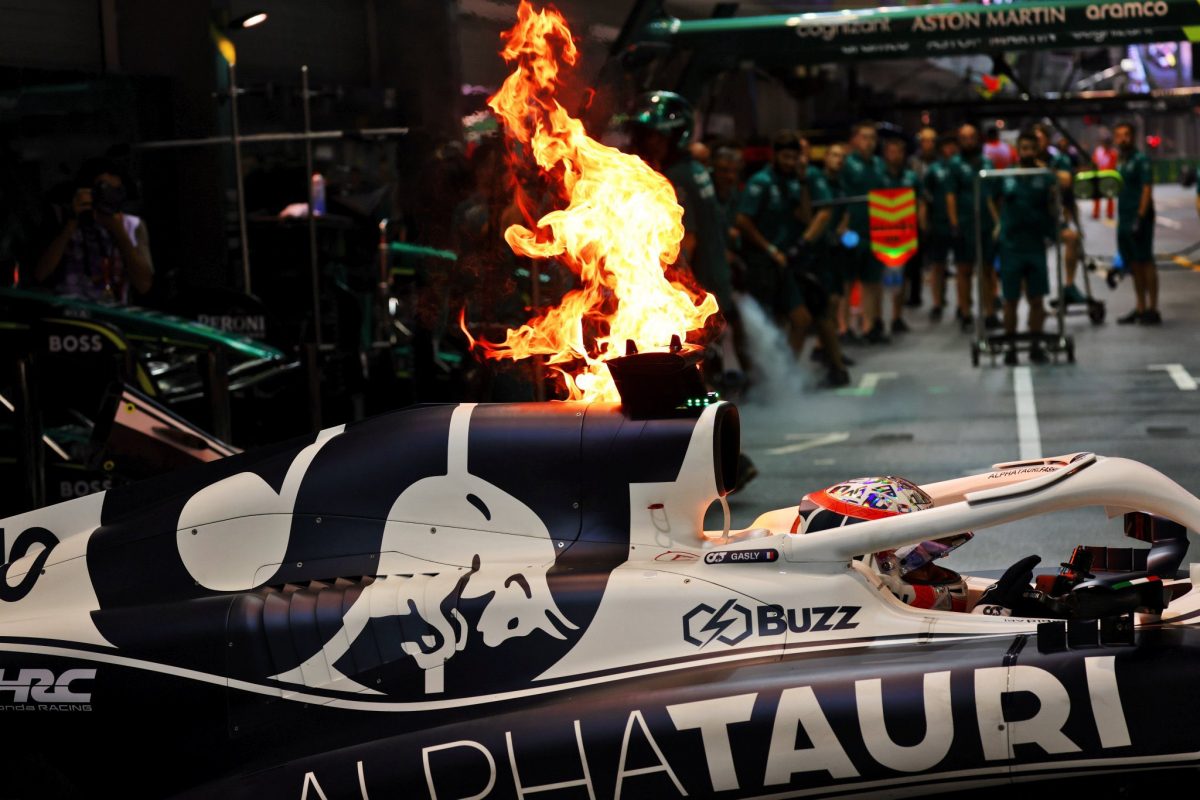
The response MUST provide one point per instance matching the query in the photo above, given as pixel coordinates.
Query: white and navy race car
(506, 601)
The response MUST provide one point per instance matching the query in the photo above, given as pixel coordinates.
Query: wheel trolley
(1094, 307)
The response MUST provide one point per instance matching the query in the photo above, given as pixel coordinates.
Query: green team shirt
(905, 179)
(729, 210)
(702, 218)
(770, 200)
(940, 180)
(1026, 216)
(967, 170)
(1136, 173)
(1059, 162)
(859, 176)
(824, 188)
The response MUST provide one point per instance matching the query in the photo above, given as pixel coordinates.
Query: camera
(107, 198)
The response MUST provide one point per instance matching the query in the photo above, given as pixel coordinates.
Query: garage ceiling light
(248, 20)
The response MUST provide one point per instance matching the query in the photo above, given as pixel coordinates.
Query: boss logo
(69, 489)
(82, 343)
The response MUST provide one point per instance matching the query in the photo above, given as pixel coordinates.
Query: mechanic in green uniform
(1135, 225)
(820, 257)
(967, 164)
(826, 187)
(727, 175)
(863, 172)
(1060, 162)
(1028, 217)
(939, 224)
(661, 128)
(769, 217)
(896, 175)
(920, 162)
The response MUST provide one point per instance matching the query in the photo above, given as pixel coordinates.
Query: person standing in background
(98, 252)
(1028, 218)
(1058, 160)
(967, 165)
(920, 162)
(819, 261)
(863, 171)
(1000, 152)
(897, 176)
(726, 176)
(940, 224)
(1135, 226)
(770, 214)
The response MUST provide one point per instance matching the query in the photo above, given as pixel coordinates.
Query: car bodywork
(470, 601)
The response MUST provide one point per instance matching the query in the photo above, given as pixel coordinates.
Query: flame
(620, 230)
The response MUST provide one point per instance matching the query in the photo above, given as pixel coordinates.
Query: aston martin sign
(923, 31)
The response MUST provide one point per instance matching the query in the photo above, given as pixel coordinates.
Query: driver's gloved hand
(1006, 594)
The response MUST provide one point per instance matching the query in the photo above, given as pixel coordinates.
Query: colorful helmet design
(666, 112)
(908, 571)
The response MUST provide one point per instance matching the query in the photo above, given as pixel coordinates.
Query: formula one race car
(472, 601)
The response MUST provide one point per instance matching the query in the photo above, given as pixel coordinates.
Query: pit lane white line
(810, 440)
(867, 384)
(1029, 435)
(1183, 379)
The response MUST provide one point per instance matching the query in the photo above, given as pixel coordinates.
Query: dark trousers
(914, 269)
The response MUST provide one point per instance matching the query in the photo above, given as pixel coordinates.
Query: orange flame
(620, 230)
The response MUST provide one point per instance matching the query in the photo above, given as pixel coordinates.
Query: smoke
(774, 374)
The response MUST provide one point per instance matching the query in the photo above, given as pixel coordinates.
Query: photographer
(97, 252)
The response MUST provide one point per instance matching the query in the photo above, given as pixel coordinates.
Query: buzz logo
(41, 686)
(728, 625)
(733, 622)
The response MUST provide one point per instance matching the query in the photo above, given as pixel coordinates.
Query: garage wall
(51, 34)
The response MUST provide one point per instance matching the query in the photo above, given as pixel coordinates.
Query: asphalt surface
(917, 408)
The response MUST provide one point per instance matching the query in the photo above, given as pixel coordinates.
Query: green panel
(142, 322)
(933, 30)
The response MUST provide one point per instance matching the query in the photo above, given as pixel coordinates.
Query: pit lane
(927, 414)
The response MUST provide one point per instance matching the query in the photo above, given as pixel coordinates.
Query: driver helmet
(666, 112)
(909, 571)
